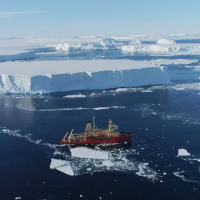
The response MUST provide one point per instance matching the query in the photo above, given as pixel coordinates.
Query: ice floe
(183, 152)
(66, 169)
(62, 166)
(75, 96)
(57, 163)
(107, 163)
(82, 152)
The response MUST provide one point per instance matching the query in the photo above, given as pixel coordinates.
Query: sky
(66, 18)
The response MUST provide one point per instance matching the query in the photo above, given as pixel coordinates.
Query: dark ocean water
(162, 122)
(162, 119)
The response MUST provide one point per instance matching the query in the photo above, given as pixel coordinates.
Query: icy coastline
(54, 76)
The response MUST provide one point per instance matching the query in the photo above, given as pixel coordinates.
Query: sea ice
(83, 152)
(57, 163)
(107, 163)
(183, 152)
(173, 61)
(121, 89)
(161, 48)
(67, 169)
(179, 174)
(61, 165)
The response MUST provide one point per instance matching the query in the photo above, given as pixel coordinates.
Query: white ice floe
(107, 163)
(75, 96)
(54, 76)
(101, 108)
(57, 163)
(82, 152)
(18, 198)
(183, 152)
(165, 41)
(66, 169)
(62, 166)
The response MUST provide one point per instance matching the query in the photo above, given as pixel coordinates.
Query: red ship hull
(95, 140)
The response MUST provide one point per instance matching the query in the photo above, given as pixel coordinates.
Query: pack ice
(53, 76)
(161, 47)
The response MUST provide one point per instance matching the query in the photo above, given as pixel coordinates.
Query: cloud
(13, 14)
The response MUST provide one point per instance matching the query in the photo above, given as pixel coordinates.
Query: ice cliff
(53, 76)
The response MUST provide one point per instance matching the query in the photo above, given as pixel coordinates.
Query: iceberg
(68, 75)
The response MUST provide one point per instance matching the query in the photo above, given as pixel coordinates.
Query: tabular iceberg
(54, 76)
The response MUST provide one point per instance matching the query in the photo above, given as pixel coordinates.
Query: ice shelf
(53, 76)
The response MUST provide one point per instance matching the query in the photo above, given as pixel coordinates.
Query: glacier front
(54, 76)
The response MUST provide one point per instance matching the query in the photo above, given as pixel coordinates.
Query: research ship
(97, 136)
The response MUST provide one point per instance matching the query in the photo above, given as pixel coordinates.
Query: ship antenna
(94, 123)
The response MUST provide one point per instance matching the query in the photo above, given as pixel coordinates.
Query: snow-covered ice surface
(54, 76)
